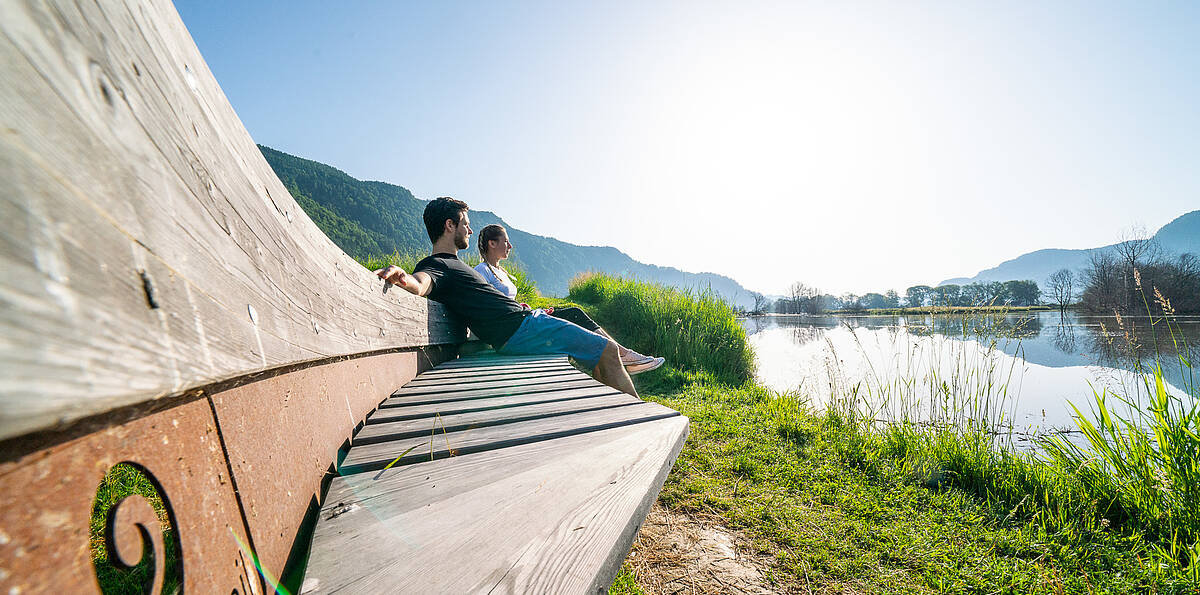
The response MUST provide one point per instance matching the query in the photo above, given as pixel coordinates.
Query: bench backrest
(165, 302)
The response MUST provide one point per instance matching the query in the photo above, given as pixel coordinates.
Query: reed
(941, 416)
(696, 331)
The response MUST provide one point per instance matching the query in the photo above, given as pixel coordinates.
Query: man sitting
(494, 317)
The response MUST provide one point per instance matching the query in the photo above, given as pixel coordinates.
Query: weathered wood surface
(550, 504)
(146, 247)
(584, 390)
(486, 393)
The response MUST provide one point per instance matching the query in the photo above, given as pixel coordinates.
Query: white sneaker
(651, 364)
(632, 357)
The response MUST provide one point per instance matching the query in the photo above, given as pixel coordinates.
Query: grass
(695, 331)
(931, 500)
(125, 480)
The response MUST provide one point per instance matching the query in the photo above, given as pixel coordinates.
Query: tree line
(805, 299)
(1133, 277)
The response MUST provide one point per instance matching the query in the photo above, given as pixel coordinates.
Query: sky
(852, 146)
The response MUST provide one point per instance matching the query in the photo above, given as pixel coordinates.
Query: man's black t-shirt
(488, 313)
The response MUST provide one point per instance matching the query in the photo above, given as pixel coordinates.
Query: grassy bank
(843, 503)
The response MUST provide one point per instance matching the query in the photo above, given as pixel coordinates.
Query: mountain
(376, 218)
(1177, 237)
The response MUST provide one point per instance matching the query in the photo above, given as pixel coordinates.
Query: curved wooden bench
(164, 302)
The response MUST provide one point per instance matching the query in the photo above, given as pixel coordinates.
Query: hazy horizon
(853, 148)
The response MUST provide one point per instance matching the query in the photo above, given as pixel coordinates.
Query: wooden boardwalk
(507, 475)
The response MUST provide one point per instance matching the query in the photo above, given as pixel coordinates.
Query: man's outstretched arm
(417, 283)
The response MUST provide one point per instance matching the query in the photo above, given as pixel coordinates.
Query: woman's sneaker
(646, 365)
(632, 357)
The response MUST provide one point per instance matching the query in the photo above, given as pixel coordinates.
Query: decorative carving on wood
(140, 545)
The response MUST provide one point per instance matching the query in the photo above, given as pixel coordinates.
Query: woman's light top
(498, 278)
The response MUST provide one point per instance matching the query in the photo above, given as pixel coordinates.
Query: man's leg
(610, 371)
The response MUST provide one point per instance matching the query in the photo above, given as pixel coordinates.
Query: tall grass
(1141, 454)
(694, 330)
(944, 425)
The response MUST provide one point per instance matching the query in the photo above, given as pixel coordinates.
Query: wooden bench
(166, 304)
(489, 474)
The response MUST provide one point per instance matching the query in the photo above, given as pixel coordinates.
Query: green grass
(933, 501)
(121, 481)
(694, 331)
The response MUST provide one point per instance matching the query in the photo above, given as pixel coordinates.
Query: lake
(1024, 368)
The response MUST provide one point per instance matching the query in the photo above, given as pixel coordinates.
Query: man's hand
(417, 283)
(394, 275)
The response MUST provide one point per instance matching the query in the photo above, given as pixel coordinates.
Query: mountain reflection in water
(1045, 359)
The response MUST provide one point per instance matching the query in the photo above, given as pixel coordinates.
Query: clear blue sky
(854, 146)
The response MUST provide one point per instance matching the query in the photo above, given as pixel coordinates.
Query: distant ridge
(374, 218)
(1180, 236)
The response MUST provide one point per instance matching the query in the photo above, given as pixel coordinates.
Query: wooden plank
(500, 391)
(369, 457)
(147, 246)
(475, 361)
(451, 387)
(421, 384)
(493, 371)
(556, 516)
(459, 422)
(483, 404)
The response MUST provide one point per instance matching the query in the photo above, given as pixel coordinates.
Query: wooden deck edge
(607, 572)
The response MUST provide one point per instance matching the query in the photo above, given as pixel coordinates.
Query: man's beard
(461, 243)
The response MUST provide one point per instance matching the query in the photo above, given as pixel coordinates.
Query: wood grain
(480, 393)
(146, 245)
(457, 422)
(369, 457)
(556, 516)
(388, 414)
(443, 387)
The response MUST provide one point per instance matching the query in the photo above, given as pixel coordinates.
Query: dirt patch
(676, 553)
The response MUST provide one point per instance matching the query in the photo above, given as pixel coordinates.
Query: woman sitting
(494, 247)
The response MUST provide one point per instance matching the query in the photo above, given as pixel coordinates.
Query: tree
(1136, 249)
(1061, 288)
(874, 301)
(851, 302)
(915, 296)
(893, 298)
(1103, 285)
(760, 302)
(946, 295)
(806, 299)
(1022, 293)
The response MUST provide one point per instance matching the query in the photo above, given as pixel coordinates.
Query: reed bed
(696, 331)
(941, 419)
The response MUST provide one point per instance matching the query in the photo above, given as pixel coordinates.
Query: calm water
(1035, 363)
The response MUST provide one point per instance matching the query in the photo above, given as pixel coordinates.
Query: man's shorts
(543, 334)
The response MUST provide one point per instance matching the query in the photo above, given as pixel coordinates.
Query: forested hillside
(374, 218)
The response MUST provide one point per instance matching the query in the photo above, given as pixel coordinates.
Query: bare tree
(806, 299)
(1136, 247)
(1062, 288)
(760, 302)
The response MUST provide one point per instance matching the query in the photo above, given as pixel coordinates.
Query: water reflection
(1054, 358)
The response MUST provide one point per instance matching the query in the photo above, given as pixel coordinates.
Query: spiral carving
(140, 553)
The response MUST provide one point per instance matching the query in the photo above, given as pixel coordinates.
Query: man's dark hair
(438, 211)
